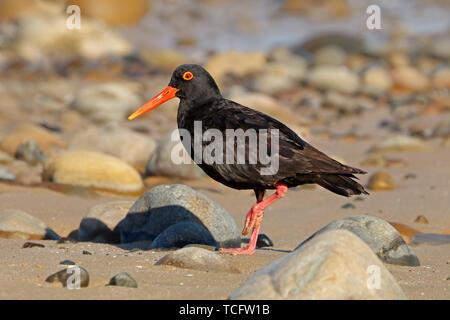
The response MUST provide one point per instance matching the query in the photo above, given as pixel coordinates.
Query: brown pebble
(421, 219)
(381, 180)
(32, 245)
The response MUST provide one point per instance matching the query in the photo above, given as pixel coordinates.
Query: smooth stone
(430, 238)
(16, 224)
(197, 259)
(348, 205)
(129, 146)
(409, 78)
(335, 265)
(45, 139)
(32, 245)
(63, 277)
(30, 152)
(93, 169)
(234, 63)
(381, 180)
(106, 102)
(166, 205)
(123, 279)
(100, 224)
(67, 262)
(377, 79)
(380, 236)
(263, 241)
(338, 78)
(421, 219)
(5, 174)
(181, 234)
(161, 164)
(330, 55)
(401, 144)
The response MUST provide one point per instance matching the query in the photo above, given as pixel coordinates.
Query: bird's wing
(296, 155)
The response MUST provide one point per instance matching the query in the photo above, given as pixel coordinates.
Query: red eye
(188, 75)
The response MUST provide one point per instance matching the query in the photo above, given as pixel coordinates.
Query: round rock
(335, 265)
(167, 205)
(123, 279)
(384, 240)
(16, 224)
(197, 259)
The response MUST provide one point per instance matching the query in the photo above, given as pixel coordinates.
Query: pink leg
(253, 221)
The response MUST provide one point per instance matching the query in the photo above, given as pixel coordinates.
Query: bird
(298, 162)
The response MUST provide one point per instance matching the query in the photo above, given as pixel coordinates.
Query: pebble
(197, 259)
(45, 139)
(421, 219)
(430, 238)
(30, 152)
(67, 262)
(333, 265)
(348, 205)
(165, 205)
(381, 180)
(16, 224)
(85, 252)
(100, 224)
(106, 102)
(234, 63)
(377, 80)
(123, 279)
(129, 146)
(381, 237)
(401, 144)
(409, 78)
(6, 175)
(263, 241)
(338, 78)
(66, 240)
(330, 55)
(32, 245)
(65, 275)
(93, 169)
(161, 164)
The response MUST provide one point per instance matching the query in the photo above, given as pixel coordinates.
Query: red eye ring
(188, 75)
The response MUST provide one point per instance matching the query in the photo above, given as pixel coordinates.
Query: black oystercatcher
(298, 162)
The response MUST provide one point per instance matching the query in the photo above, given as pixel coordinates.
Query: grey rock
(160, 162)
(66, 275)
(334, 265)
(379, 235)
(197, 259)
(30, 152)
(16, 224)
(167, 205)
(430, 238)
(123, 279)
(67, 262)
(100, 224)
(181, 234)
(6, 175)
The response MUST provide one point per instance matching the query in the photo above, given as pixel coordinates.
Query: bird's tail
(340, 184)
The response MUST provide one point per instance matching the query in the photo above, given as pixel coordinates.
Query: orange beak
(167, 94)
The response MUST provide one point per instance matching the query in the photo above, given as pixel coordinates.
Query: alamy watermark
(374, 19)
(74, 20)
(374, 280)
(74, 280)
(234, 146)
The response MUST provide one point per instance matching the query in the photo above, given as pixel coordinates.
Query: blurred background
(313, 64)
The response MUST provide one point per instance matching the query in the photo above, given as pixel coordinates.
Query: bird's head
(189, 82)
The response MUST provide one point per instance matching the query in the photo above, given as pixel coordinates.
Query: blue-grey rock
(430, 238)
(167, 205)
(181, 234)
(334, 265)
(381, 237)
(123, 279)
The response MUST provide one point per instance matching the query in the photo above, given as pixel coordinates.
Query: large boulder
(333, 265)
(379, 235)
(166, 205)
(16, 224)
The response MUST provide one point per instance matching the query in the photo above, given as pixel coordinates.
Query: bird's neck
(190, 111)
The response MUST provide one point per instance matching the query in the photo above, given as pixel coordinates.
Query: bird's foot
(248, 250)
(253, 218)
